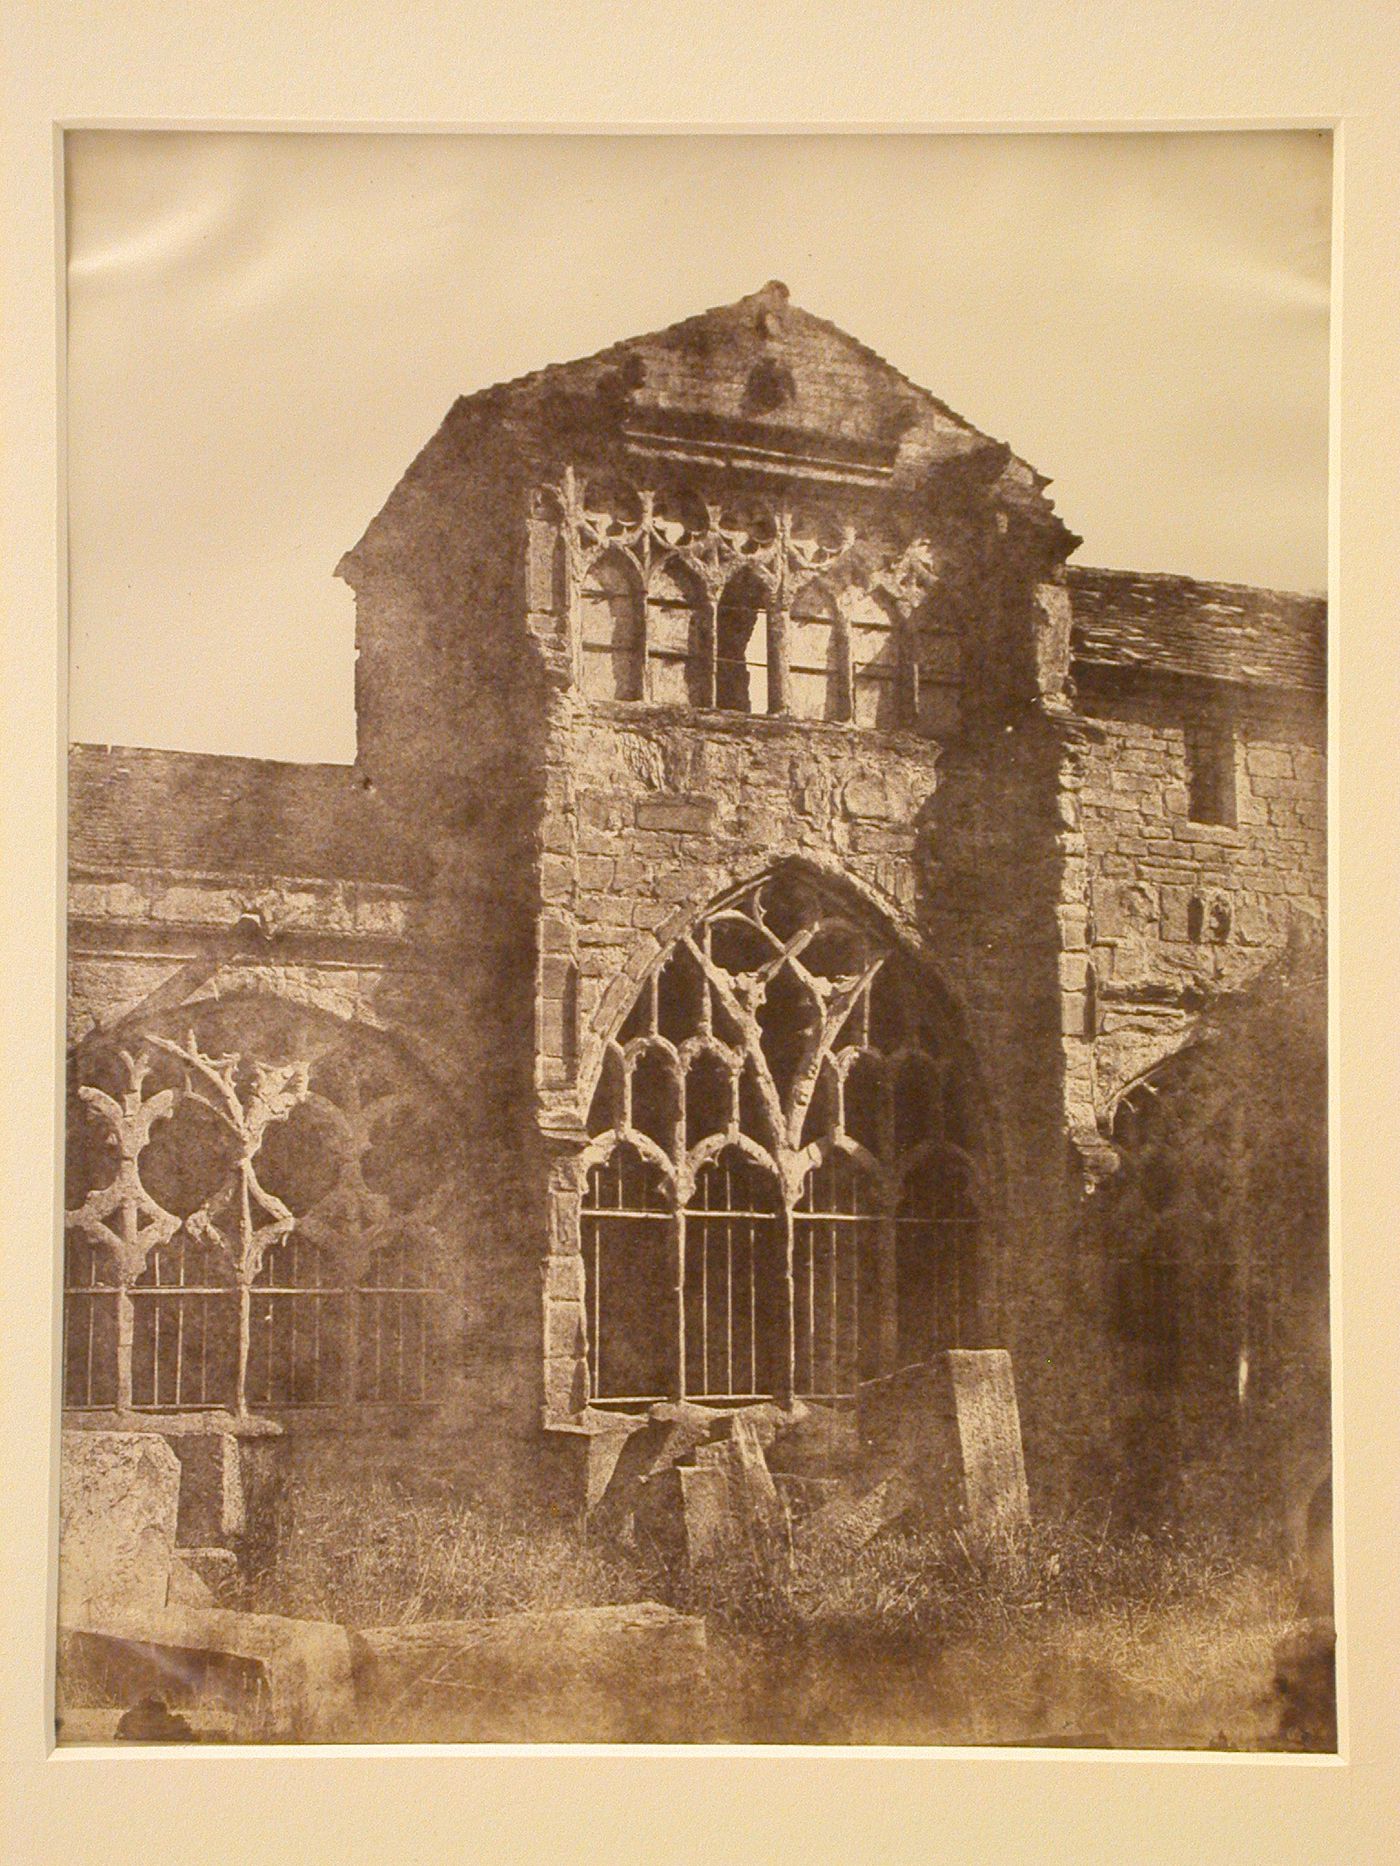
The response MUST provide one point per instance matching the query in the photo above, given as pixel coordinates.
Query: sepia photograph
(697, 1028)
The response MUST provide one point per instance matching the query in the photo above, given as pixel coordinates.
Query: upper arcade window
(750, 605)
(743, 631)
(611, 635)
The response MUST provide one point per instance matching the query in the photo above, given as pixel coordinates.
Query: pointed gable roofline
(760, 384)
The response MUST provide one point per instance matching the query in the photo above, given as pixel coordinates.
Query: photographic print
(697, 1028)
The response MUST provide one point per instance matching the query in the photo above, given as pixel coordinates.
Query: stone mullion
(779, 647)
(246, 1272)
(787, 1373)
(681, 1193)
(677, 1229)
(887, 1285)
(887, 1237)
(126, 1331)
(643, 556)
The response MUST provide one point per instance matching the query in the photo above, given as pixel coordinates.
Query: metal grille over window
(781, 1192)
(252, 1219)
(752, 605)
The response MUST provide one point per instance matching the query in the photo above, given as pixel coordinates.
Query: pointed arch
(612, 637)
(744, 644)
(807, 1075)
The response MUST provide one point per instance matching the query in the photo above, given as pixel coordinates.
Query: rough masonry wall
(1181, 910)
(451, 734)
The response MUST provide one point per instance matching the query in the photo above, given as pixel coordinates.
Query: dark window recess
(1210, 774)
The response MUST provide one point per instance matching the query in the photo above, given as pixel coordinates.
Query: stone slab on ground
(952, 1427)
(282, 1679)
(847, 1523)
(119, 1498)
(642, 1643)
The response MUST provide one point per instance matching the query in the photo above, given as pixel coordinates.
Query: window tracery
(251, 1220)
(753, 605)
(781, 1193)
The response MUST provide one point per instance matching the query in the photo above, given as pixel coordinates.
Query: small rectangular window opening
(1210, 773)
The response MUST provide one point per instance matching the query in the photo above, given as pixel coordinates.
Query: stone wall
(1181, 910)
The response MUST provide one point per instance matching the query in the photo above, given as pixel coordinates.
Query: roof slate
(1131, 619)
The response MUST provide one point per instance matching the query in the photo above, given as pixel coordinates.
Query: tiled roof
(129, 807)
(1132, 619)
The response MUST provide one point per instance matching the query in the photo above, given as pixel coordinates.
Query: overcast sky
(264, 329)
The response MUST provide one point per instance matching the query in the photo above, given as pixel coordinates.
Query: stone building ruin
(768, 866)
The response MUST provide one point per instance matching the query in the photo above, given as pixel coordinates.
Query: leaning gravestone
(119, 1497)
(989, 1435)
(952, 1428)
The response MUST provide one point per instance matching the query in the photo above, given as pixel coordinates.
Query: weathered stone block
(119, 1497)
(292, 1676)
(753, 1501)
(595, 871)
(951, 1427)
(556, 878)
(213, 1509)
(989, 1434)
(1268, 761)
(107, 900)
(683, 815)
(564, 1327)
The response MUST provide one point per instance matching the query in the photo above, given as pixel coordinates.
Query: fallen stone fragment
(847, 1523)
(284, 1679)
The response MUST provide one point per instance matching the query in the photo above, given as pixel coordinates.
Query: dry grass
(1067, 1634)
(380, 1555)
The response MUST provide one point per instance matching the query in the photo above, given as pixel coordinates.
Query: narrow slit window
(1210, 773)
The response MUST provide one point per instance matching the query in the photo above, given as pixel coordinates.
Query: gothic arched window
(815, 674)
(778, 1195)
(611, 628)
(742, 635)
